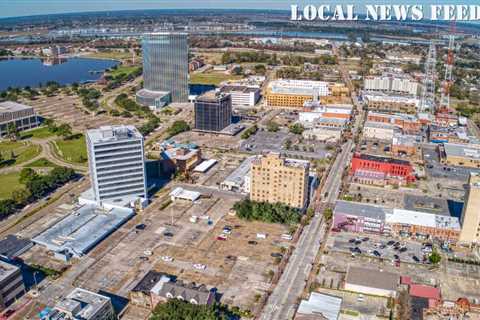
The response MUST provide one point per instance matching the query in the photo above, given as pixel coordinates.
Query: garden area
(17, 152)
(72, 149)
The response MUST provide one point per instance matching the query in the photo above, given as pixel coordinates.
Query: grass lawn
(73, 150)
(39, 133)
(123, 69)
(20, 150)
(115, 55)
(212, 78)
(8, 183)
(42, 163)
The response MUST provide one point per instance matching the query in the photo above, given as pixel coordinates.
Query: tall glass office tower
(165, 64)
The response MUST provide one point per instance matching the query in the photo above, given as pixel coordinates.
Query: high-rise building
(277, 179)
(116, 162)
(11, 284)
(213, 111)
(470, 233)
(165, 68)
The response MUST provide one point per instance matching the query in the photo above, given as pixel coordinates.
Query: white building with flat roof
(82, 304)
(300, 87)
(117, 163)
(23, 117)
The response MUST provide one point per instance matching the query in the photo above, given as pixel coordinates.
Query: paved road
(281, 304)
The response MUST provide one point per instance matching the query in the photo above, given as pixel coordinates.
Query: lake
(19, 73)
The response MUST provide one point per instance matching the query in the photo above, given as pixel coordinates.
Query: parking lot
(383, 246)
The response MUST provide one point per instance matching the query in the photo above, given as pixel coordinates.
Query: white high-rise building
(117, 163)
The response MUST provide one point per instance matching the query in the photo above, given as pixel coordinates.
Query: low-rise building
(319, 306)
(140, 295)
(441, 134)
(392, 83)
(379, 131)
(409, 124)
(239, 180)
(11, 284)
(391, 103)
(372, 282)
(324, 134)
(20, 116)
(242, 96)
(179, 159)
(405, 145)
(463, 155)
(368, 169)
(82, 304)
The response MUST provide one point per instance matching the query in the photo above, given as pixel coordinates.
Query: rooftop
(12, 246)
(360, 209)
(81, 230)
(379, 125)
(6, 270)
(211, 96)
(471, 151)
(243, 89)
(369, 157)
(152, 94)
(113, 133)
(390, 98)
(149, 281)
(237, 177)
(10, 106)
(424, 291)
(372, 278)
(321, 304)
(82, 304)
(429, 220)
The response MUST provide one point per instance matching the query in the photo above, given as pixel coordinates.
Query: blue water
(19, 73)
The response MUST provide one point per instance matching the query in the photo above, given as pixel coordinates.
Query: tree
(434, 257)
(297, 128)
(21, 196)
(272, 126)
(175, 309)
(12, 131)
(328, 213)
(177, 127)
(64, 130)
(27, 174)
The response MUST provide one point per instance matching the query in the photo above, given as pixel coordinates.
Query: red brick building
(368, 169)
(407, 123)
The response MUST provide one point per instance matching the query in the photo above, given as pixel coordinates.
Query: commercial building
(83, 229)
(213, 111)
(11, 284)
(82, 304)
(379, 131)
(372, 282)
(392, 83)
(324, 134)
(277, 179)
(294, 93)
(21, 116)
(391, 103)
(182, 194)
(319, 306)
(405, 144)
(441, 134)
(165, 68)
(179, 158)
(409, 124)
(464, 155)
(11, 247)
(116, 163)
(242, 96)
(157, 287)
(360, 217)
(368, 169)
(239, 180)
(313, 111)
(470, 233)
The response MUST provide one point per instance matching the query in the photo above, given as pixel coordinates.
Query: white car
(199, 266)
(227, 231)
(167, 258)
(148, 253)
(286, 236)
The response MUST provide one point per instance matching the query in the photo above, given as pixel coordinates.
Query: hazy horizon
(21, 8)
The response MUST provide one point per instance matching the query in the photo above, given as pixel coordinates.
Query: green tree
(328, 213)
(177, 127)
(12, 131)
(297, 128)
(64, 130)
(21, 196)
(27, 174)
(434, 257)
(272, 126)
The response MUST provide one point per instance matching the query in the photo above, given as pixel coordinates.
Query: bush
(176, 309)
(249, 132)
(267, 212)
(177, 127)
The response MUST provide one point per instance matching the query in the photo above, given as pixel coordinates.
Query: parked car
(168, 234)
(403, 249)
(351, 241)
(277, 255)
(167, 258)
(365, 239)
(390, 243)
(140, 226)
(415, 258)
(252, 242)
(199, 266)
(376, 253)
(286, 236)
(222, 237)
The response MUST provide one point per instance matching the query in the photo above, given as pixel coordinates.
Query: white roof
(205, 165)
(408, 217)
(181, 193)
(321, 304)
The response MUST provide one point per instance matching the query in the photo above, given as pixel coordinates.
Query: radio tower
(448, 82)
(428, 93)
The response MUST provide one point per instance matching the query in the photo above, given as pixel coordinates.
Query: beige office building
(470, 233)
(277, 179)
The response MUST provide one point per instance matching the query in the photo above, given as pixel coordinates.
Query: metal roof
(372, 278)
(360, 209)
(321, 304)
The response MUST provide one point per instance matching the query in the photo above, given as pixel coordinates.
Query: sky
(15, 8)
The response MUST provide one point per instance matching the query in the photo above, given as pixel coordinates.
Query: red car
(221, 238)
(7, 314)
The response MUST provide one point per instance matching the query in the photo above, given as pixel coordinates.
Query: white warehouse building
(242, 96)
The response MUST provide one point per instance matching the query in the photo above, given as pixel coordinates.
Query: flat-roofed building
(372, 282)
(319, 306)
(409, 124)
(23, 117)
(324, 134)
(117, 163)
(242, 96)
(180, 159)
(405, 144)
(359, 217)
(81, 304)
(294, 93)
(213, 111)
(11, 284)
(239, 179)
(470, 233)
(379, 131)
(392, 83)
(277, 179)
(391, 103)
(464, 155)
